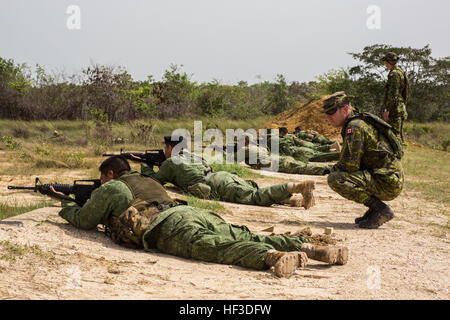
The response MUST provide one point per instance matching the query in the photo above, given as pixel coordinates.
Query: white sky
(228, 40)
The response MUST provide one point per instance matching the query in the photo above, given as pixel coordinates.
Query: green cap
(335, 101)
(390, 57)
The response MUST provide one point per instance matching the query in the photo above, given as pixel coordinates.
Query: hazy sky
(228, 40)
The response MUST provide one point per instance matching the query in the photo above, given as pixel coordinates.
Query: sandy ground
(42, 257)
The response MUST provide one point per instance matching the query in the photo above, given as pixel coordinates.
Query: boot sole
(375, 225)
(288, 263)
(342, 256)
(308, 196)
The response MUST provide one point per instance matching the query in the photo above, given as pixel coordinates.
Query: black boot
(381, 213)
(365, 216)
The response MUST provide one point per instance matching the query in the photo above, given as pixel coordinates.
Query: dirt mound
(308, 116)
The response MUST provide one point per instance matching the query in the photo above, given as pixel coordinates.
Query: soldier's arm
(352, 150)
(165, 173)
(393, 91)
(105, 200)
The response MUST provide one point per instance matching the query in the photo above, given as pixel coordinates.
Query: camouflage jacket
(365, 149)
(111, 199)
(395, 94)
(182, 170)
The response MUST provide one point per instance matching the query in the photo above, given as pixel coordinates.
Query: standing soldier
(395, 95)
(369, 170)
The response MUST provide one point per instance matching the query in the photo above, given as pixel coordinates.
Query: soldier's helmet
(335, 101)
(391, 57)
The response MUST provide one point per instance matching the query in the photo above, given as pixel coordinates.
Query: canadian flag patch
(349, 130)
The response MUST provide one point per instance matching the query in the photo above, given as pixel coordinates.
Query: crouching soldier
(369, 170)
(137, 212)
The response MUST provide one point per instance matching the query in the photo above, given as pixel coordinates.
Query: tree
(280, 98)
(429, 80)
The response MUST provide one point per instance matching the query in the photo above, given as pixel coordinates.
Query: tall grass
(428, 171)
(8, 210)
(435, 135)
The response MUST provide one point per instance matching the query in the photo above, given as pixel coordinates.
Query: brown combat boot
(293, 202)
(285, 263)
(330, 255)
(306, 189)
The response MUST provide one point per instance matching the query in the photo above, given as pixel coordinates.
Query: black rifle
(82, 189)
(153, 157)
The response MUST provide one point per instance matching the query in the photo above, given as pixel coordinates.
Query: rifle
(82, 189)
(153, 157)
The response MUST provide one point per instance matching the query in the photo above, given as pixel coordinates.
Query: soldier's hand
(386, 116)
(135, 157)
(55, 192)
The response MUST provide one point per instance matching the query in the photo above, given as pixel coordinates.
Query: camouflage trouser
(316, 147)
(359, 186)
(397, 121)
(307, 154)
(200, 234)
(229, 187)
(290, 165)
(321, 140)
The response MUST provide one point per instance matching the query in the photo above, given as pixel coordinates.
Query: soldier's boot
(336, 146)
(365, 216)
(306, 188)
(330, 255)
(293, 202)
(381, 213)
(285, 263)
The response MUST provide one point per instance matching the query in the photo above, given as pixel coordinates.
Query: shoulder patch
(349, 131)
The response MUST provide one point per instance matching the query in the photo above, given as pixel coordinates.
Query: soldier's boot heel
(331, 255)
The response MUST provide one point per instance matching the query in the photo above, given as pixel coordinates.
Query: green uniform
(317, 138)
(198, 179)
(367, 166)
(288, 147)
(183, 231)
(286, 164)
(395, 98)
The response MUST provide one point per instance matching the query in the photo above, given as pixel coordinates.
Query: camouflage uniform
(395, 96)
(289, 147)
(286, 164)
(314, 138)
(181, 230)
(367, 166)
(198, 179)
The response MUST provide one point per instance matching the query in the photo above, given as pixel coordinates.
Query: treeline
(109, 94)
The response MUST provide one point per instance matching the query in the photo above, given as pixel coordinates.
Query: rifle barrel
(20, 188)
